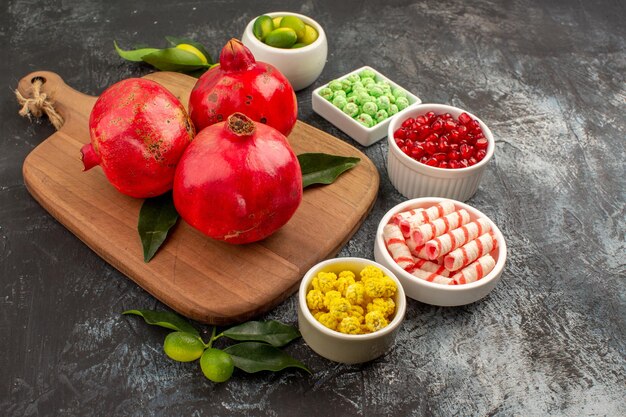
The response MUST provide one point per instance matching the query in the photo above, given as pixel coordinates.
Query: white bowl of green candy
(362, 103)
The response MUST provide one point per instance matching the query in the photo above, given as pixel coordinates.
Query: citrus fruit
(183, 347)
(294, 23)
(193, 50)
(217, 365)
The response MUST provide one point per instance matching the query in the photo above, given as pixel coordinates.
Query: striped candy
(439, 226)
(431, 277)
(397, 246)
(471, 251)
(475, 271)
(456, 238)
(429, 266)
(409, 224)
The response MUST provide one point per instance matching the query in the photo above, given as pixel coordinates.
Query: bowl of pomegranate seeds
(444, 252)
(438, 150)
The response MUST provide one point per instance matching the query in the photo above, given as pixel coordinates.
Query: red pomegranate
(139, 131)
(241, 84)
(238, 181)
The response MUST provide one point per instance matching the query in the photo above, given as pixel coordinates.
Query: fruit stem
(235, 56)
(89, 157)
(240, 124)
(213, 337)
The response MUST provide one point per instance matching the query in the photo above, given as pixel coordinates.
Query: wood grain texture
(207, 280)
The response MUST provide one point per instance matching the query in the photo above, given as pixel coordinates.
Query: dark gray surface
(548, 77)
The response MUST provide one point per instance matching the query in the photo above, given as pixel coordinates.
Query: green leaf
(273, 332)
(156, 218)
(254, 357)
(165, 319)
(174, 59)
(134, 55)
(321, 168)
(177, 41)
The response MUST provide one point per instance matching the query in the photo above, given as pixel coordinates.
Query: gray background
(548, 77)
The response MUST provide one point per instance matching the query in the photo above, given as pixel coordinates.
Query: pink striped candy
(471, 251)
(396, 246)
(429, 266)
(431, 277)
(443, 244)
(410, 223)
(475, 271)
(439, 226)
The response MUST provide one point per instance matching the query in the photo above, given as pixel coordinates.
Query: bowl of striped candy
(444, 252)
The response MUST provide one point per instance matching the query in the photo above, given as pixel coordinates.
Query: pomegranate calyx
(240, 124)
(89, 157)
(235, 56)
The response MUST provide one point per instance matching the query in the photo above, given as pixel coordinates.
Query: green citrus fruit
(183, 347)
(217, 365)
(262, 27)
(310, 35)
(276, 21)
(281, 38)
(294, 23)
(193, 50)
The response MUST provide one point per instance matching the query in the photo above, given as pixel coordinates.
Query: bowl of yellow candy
(350, 309)
(295, 44)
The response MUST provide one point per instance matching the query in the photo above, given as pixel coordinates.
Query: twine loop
(38, 104)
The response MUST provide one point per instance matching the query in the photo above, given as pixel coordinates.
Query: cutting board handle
(70, 104)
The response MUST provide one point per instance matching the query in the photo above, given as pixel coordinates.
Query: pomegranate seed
(482, 143)
(408, 122)
(423, 159)
(443, 164)
(454, 135)
(475, 126)
(443, 145)
(462, 131)
(472, 161)
(417, 151)
(430, 115)
(432, 162)
(433, 137)
(464, 118)
(454, 146)
(439, 156)
(430, 147)
(454, 155)
(421, 119)
(447, 116)
(400, 143)
(404, 149)
(422, 132)
(479, 135)
(437, 125)
(480, 155)
(449, 125)
(454, 164)
(466, 150)
(413, 135)
(463, 163)
(400, 134)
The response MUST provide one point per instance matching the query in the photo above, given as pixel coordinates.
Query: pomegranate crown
(235, 56)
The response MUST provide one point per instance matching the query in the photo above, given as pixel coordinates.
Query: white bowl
(440, 294)
(414, 179)
(340, 347)
(301, 66)
(366, 136)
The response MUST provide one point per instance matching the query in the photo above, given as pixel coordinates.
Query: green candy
(357, 84)
(351, 109)
(381, 115)
(262, 27)
(370, 108)
(393, 109)
(391, 97)
(402, 103)
(327, 93)
(367, 73)
(335, 85)
(346, 85)
(375, 91)
(383, 102)
(365, 119)
(385, 86)
(368, 81)
(353, 99)
(341, 93)
(354, 78)
(340, 101)
(398, 92)
(364, 98)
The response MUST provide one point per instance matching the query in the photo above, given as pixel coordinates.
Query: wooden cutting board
(203, 279)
